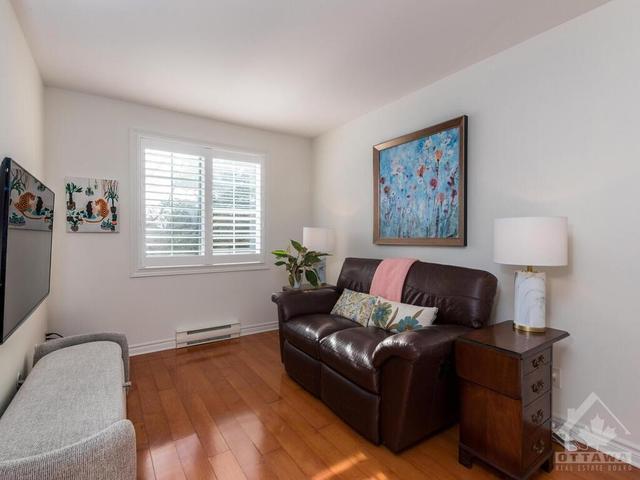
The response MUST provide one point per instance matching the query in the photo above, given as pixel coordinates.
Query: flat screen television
(26, 230)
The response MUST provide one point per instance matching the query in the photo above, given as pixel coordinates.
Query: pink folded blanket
(389, 278)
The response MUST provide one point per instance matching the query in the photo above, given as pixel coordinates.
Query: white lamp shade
(318, 239)
(530, 241)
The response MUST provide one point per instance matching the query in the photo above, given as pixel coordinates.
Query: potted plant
(110, 188)
(18, 182)
(70, 189)
(74, 218)
(301, 261)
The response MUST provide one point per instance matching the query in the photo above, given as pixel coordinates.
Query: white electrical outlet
(555, 378)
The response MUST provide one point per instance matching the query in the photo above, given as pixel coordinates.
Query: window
(200, 208)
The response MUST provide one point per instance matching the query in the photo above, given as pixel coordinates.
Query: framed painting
(92, 205)
(419, 187)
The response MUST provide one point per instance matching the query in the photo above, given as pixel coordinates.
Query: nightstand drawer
(536, 384)
(534, 362)
(488, 368)
(537, 413)
(537, 445)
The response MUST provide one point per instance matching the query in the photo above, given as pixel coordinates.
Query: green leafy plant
(110, 188)
(18, 181)
(74, 218)
(70, 189)
(298, 260)
(17, 184)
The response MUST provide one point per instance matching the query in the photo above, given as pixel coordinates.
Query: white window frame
(143, 266)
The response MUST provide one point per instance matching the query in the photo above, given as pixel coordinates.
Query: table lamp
(530, 241)
(320, 240)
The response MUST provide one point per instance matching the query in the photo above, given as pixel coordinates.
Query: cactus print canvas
(92, 205)
(419, 190)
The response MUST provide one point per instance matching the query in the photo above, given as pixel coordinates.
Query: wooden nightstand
(505, 398)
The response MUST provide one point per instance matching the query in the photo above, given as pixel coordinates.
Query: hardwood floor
(228, 411)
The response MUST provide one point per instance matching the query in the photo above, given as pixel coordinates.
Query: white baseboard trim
(259, 328)
(170, 343)
(616, 443)
(153, 346)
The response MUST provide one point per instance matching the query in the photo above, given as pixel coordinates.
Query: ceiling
(297, 66)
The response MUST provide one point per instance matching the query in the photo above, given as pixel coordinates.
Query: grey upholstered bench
(68, 420)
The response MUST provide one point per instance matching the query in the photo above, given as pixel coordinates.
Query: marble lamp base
(530, 301)
(321, 268)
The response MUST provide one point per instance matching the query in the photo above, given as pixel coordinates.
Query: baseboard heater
(187, 337)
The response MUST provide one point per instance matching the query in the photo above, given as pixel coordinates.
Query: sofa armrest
(429, 342)
(295, 303)
(53, 345)
(110, 453)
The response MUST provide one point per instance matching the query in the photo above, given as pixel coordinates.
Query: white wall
(21, 115)
(553, 130)
(91, 289)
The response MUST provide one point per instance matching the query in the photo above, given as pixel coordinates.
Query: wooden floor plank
(262, 438)
(339, 465)
(240, 444)
(284, 466)
(144, 465)
(166, 462)
(161, 375)
(192, 455)
(354, 448)
(134, 411)
(205, 427)
(439, 454)
(306, 459)
(227, 467)
(283, 435)
(229, 411)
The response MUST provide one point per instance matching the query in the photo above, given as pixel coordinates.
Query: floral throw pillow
(401, 317)
(355, 306)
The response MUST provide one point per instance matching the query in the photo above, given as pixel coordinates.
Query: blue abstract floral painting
(419, 186)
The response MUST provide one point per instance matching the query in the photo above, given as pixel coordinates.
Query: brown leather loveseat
(392, 388)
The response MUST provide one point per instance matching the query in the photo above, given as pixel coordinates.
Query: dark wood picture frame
(459, 241)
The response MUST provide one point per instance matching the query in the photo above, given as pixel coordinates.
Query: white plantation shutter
(199, 206)
(236, 207)
(174, 204)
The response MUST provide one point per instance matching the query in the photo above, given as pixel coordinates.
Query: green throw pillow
(355, 306)
(401, 317)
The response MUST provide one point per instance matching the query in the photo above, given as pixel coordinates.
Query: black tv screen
(26, 228)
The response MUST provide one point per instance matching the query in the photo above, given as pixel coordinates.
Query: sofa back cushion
(357, 274)
(463, 296)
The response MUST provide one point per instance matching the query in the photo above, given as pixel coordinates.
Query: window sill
(197, 269)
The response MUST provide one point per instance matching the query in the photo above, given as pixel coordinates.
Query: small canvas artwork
(419, 187)
(30, 202)
(92, 205)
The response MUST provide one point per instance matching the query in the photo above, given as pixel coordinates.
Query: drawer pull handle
(536, 362)
(537, 417)
(538, 447)
(537, 387)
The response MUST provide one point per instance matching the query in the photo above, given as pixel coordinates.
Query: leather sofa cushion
(357, 274)
(350, 352)
(463, 296)
(306, 331)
